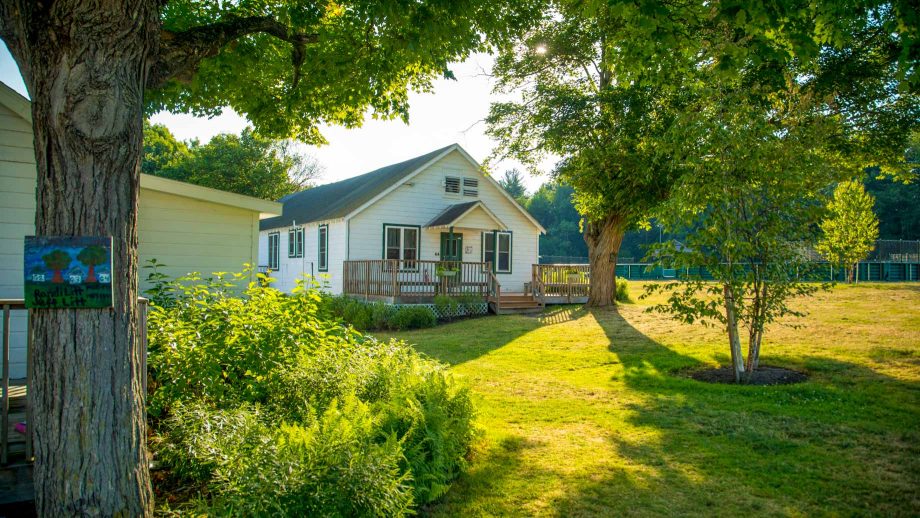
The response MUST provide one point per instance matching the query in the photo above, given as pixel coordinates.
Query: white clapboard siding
(17, 219)
(421, 199)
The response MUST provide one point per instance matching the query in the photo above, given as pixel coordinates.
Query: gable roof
(347, 197)
(452, 215)
(339, 199)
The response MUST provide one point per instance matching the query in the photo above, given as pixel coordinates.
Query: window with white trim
(497, 249)
(470, 187)
(274, 250)
(452, 185)
(322, 247)
(401, 243)
(295, 242)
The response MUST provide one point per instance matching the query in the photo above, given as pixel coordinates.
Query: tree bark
(85, 65)
(734, 341)
(604, 238)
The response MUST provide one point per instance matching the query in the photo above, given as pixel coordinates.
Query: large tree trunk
(604, 238)
(734, 341)
(85, 64)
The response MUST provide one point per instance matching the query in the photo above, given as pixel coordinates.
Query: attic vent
(452, 185)
(470, 187)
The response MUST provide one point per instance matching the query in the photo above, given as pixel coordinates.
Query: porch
(418, 282)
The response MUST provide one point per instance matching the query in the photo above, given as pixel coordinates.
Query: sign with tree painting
(68, 272)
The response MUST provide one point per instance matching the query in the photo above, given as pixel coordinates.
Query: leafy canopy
(292, 66)
(246, 164)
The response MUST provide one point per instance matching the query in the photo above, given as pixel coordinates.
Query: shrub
(623, 291)
(335, 464)
(469, 301)
(220, 345)
(448, 307)
(273, 407)
(413, 317)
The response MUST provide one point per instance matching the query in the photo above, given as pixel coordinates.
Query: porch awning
(472, 214)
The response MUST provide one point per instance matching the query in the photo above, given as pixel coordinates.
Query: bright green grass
(586, 413)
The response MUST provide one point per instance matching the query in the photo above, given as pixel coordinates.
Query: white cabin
(439, 208)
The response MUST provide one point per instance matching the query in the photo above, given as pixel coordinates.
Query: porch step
(517, 304)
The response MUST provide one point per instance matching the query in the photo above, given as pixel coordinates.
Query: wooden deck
(416, 282)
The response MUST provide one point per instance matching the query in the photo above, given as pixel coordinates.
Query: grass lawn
(587, 413)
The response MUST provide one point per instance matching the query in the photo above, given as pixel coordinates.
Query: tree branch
(181, 52)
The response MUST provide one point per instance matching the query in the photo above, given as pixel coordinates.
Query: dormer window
(452, 185)
(470, 187)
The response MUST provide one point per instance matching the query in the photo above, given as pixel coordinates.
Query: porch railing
(566, 281)
(22, 386)
(401, 280)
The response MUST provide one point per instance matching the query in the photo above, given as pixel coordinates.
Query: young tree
(92, 69)
(850, 228)
(513, 183)
(750, 208)
(246, 164)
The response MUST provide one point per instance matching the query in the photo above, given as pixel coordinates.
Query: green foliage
(331, 465)
(850, 228)
(750, 211)
(512, 181)
(552, 205)
(368, 316)
(895, 204)
(301, 416)
(414, 317)
(211, 343)
(623, 291)
(161, 149)
(447, 306)
(246, 164)
(355, 57)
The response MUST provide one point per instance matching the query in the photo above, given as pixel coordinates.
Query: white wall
(189, 235)
(418, 203)
(293, 268)
(17, 219)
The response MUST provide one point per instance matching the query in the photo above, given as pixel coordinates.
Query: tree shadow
(461, 341)
(846, 441)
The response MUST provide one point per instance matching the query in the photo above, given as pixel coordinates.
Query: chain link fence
(885, 251)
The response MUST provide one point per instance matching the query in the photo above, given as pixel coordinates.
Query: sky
(452, 113)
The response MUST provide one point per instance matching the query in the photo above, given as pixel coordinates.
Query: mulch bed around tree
(762, 376)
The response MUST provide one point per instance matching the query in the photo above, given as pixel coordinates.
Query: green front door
(451, 246)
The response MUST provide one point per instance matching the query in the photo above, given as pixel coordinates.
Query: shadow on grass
(845, 442)
(465, 340)
(489, 470)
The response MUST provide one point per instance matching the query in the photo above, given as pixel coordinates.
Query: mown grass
(588, 414)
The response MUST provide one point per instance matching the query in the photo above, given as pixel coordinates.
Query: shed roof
(339, 199)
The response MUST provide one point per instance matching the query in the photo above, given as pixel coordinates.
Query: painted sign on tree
(68, 272)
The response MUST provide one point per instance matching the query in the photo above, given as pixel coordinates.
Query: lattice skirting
(460, 310)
